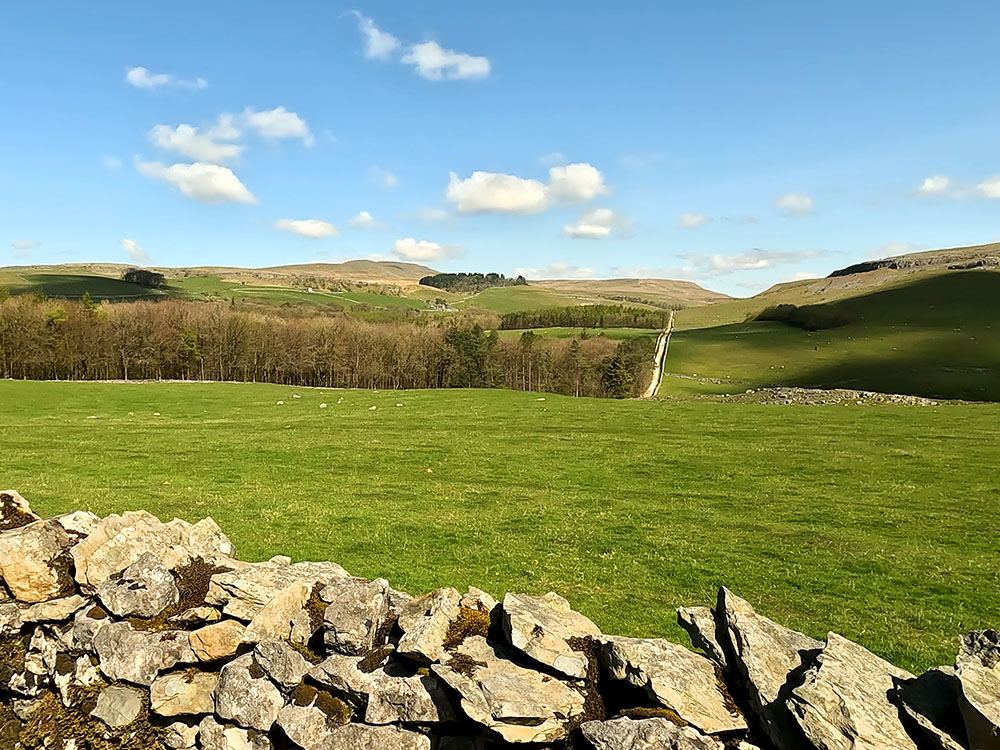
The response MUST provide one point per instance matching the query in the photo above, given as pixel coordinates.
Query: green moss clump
(307, 653)
(192, 585)
(337, 712)
(593, 704)
(316, 608)
(374, 658)
(469, 622)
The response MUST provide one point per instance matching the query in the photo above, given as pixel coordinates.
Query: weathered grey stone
(180, 735)
(284, 617)
(387, 698)
(245, 696)
(978, 670)
(34, 562)
(51, 611)
(86, 623)
(845, 700)
(10, 618)
(930, 705)
(186, 692)
(282, 662)
(245, 590)
(215, 736)
(118, 706)
(118, 541)
(645, 734)
(478, 599)
(763, 655)
(542, 626)
(203, 615)
(358, 610)
(79, 523)
(674, 677)
(72, 674)
(699, 624)
(520, 704)
(144, 589)
(217, 641)
(15, 511)
(306, 726)
(138, 656)
(425, 621)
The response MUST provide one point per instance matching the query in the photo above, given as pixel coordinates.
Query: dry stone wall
(128, 632)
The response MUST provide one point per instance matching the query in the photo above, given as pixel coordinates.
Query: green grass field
(877, 522)
(937, 336)
(617, 334)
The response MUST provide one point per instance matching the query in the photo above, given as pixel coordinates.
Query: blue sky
(735, 144)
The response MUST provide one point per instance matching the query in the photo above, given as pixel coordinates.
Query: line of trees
(176, 339)
(586, 316)
(470, 282)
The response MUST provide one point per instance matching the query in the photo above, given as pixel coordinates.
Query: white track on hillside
(659, 357)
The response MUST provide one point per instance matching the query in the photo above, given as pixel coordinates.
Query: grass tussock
(468, 623)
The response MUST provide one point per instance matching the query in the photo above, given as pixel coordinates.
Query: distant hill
(952, 259)
(681, 293)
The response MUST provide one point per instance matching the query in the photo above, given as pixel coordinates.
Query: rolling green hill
(934, 334)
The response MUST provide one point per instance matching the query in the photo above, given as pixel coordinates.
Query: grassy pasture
(556, 332)
(877, 522)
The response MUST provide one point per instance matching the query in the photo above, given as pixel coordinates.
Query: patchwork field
(877, 522)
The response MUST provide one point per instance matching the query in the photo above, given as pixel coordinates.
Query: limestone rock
(844, 701)
(363, 737)
(519, 704)
(930, 704)
(306, 726)
(34, 562)
(978, 670)
(542, 626)
(699, 624)
(79, 523)
(425, 621)
(86, 623)
(674, 677)
(284, 617)
(144, 589)
(245, 696)
(118, 706)
(71, 675)
(10, 619)
(184, 692)
(138, 656)
(245, 590)
(215, 736)
(645, 734)
(358, 610)
(203, 615)
(54, 610)
(217, 641)
(388, 699)
(180, 735)
(478, 599)
(282, 663)
(763, 654)
(118, 541)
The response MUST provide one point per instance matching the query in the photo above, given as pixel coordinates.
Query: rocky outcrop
(128, 632)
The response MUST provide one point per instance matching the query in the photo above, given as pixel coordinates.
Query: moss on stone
(654, 713)
(464, 665)
(52, 724)
(593, 704)
(374, 659)
(307, 653)
(469, 622)
(337, 712)
(192, 582)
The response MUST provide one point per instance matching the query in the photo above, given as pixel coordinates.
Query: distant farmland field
(877, 522)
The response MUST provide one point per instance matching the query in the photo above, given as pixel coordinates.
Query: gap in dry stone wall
(127, 633)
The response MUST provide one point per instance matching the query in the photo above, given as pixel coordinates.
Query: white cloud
(112, 163)
(934, 185)
(794, 204)
(209, 183)
(383, 178)
(143, 78)
(803, 276)
(423, 250)
(379, 45)
(595, 225)
(485, 192)
(24, 244)
(313, 228)
(208, 146)
(277, 123)
(989, 188)
(435, 63)
(693, 221)
(135, 251)
(576, 183)
(554, 159)
(496, 192)
(363, 220)
(753, 260)
(433, 214)
(556, 271)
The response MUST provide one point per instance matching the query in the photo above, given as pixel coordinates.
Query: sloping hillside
(662, 291)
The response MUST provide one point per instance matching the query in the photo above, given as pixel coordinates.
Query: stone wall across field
(127, 632)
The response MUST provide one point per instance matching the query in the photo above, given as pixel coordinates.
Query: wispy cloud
(794, 204)
(379, 45)
(143, 78)
(557, 271)
(312, 228)
(135, 251)
(934, 185)
(411, 249)
(24, 244)
(692, 221)
(598, 224)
